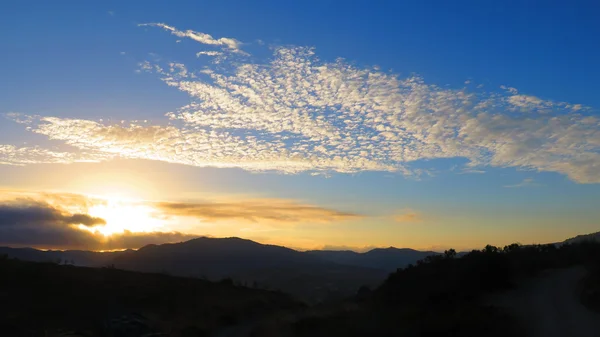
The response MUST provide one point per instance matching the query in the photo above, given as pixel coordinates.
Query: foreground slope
(45, 299)
(449, 295)
(551, 306)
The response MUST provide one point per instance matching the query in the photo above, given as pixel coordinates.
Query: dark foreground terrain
(513, 291)
(46, 299)
(539, 290)
(314, 276)
(550, 304)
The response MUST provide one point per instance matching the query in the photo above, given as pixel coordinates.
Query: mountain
(304, 275)
(211, 257)
(311, 276)
(388, 259)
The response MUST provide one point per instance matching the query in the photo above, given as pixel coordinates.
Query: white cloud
(525, 101)
(232, 44)
(209, 53)
(13, 155)
(296, 113)
(512, 90)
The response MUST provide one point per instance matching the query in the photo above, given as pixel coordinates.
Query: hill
(267, 266)
(47, 299)
(595, 237)
(448, 295)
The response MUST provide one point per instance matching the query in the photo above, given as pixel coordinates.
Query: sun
(124, 215)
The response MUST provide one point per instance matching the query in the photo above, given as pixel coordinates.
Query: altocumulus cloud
(29, 222)
(295, 113)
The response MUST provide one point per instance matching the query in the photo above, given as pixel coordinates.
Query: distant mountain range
(312, 275)
(388, 259)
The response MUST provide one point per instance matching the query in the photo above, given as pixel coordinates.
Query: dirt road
(549, 305)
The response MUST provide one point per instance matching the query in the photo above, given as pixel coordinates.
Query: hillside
(303, 275)
(442, 295)
(312, 276)
(45, 299)
(448, 295)
(595, 237)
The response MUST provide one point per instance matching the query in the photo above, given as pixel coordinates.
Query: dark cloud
(279, 210)
(32, 212)
(31, 223)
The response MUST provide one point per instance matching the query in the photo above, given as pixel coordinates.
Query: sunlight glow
(124, 215)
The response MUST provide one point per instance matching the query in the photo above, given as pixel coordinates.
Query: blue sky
(451, 124)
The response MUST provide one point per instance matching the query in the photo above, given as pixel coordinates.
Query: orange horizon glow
(123, 215)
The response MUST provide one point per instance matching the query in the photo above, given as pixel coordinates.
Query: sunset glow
(124, 215)
(300, 168)
(163, 128)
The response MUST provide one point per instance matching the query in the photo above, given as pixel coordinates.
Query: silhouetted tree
(491, 249)
(450, 253)
(511, 248)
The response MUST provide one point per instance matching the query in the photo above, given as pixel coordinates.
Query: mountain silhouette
(304, 275)
(315, 275)
(388, 259)
(211, 257)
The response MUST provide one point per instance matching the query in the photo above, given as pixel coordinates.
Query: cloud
(528, 103)
(295, 113)
(33, 223)
(28, 212)
(346, 248)
(270, 210)
(409, 216)
(512, 90)
(468, 170)
(232, 44)
(61, 220)
(209, 53)
(528, 182)
(13, 155)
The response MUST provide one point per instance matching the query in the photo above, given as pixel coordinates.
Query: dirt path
(549, 305)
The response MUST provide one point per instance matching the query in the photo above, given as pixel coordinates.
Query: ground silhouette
(445, 294)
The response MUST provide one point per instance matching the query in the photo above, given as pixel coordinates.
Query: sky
(314, 124)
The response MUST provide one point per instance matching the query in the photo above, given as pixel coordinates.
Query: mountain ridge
(309, 275)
